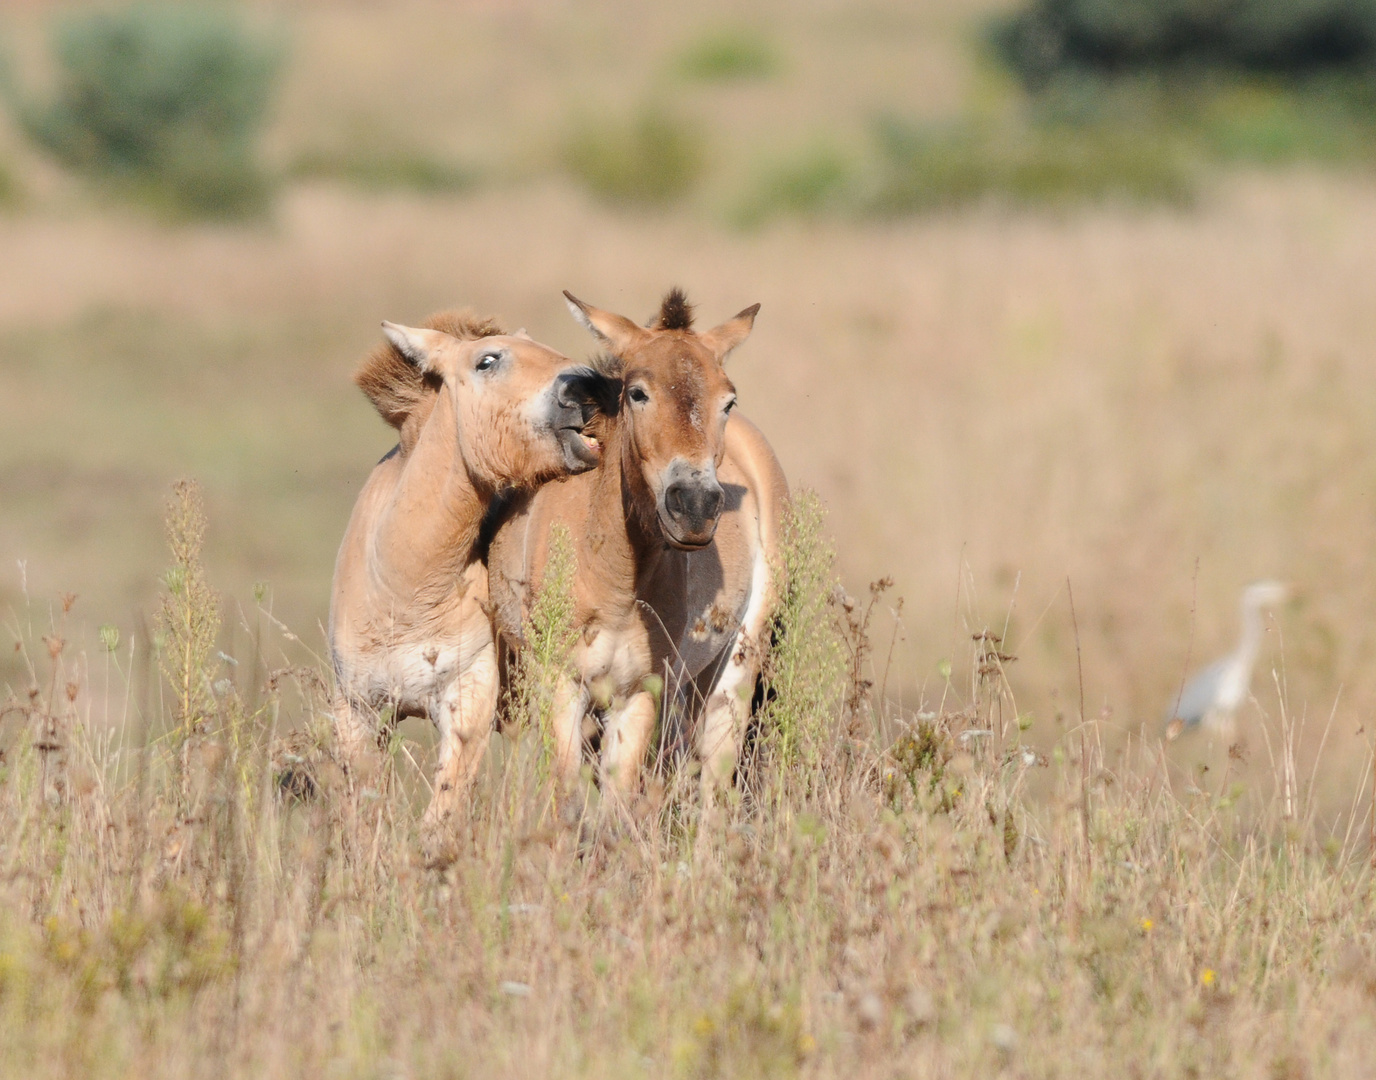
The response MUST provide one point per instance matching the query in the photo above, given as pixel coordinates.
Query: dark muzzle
(692, 507)
(579, 394)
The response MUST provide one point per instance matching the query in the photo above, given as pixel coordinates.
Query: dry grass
(169, 910)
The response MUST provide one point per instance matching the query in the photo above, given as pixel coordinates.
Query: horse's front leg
(625, 739)
(465, 721)
(569, 707)
(356, 743)
(726, 714)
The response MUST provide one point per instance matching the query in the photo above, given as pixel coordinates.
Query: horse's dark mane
(401, 393)
(675, 313)
(608, 364)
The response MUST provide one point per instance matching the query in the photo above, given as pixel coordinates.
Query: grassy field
(865, 908)
(1156, 403)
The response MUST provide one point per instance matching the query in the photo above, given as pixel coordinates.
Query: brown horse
(674, 536)
(478, 413)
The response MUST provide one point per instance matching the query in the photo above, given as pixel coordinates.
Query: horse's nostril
(713, 502)
(673, 499)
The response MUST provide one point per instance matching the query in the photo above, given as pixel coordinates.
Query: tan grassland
(213, 901)
(1155, 404)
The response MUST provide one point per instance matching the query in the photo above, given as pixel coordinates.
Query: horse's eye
(637, 395)
(487, 360)
(729, 405)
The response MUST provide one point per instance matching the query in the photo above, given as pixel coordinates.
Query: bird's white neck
(1250, 643)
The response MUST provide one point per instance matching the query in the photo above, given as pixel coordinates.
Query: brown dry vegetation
(172, 908)
(1158, 404)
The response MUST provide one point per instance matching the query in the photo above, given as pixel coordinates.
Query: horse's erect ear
(616, 330)
(722, 339)
(418, 347)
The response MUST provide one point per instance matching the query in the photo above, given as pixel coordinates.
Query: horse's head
(675, 398)
(521, 407)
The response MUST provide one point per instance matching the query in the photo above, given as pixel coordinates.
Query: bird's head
(1265, 594)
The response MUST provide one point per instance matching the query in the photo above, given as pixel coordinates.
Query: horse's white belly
(415, 675)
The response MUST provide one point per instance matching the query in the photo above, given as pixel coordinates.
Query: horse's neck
(616, 547)
(427, 535)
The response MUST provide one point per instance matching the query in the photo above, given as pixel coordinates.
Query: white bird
(1211, 699)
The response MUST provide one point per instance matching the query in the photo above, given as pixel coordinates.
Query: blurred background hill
(1060, 290)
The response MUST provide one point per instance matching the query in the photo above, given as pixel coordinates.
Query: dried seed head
(72, 689)
(55, 646)
(920, 1007)
(68, 599)
(1004, 1038)
(175, 579)
(869, 1011)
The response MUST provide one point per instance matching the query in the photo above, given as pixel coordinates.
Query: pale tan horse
(674, 533)
(478, 413)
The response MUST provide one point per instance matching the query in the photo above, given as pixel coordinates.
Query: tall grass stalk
(805, 669)
(189, 615)
(542, 667)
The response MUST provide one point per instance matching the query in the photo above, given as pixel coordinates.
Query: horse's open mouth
(580, 449)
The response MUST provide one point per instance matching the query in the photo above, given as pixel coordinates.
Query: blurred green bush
(731, 53)
(1049, 36)
(925, 166)
(652, 159)
(9, 187)
(167, 100)
(809, 183)
(375, 168)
